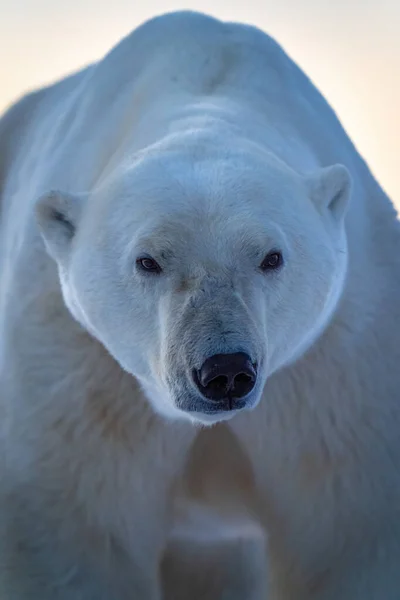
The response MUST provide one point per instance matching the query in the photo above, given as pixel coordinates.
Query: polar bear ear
(58, 215)
(330, 191)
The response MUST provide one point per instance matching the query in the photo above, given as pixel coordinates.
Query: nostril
(219, 385)
(243, 384)
(226, 376)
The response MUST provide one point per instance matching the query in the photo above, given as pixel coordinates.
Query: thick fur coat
(199, 145)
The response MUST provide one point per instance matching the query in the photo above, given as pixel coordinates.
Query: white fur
(203, 145)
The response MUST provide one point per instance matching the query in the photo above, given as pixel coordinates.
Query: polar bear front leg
(212, 559)
(41, 558)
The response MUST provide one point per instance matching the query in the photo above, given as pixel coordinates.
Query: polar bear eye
(273, 261)
(146, 263)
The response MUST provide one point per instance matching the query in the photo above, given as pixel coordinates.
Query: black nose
(226, 376)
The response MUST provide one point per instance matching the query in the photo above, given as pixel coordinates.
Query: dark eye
(272, 261)
(146, 263)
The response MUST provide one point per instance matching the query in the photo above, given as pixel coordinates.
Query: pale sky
(349, 48)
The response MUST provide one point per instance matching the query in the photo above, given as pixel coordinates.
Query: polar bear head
(202, 267)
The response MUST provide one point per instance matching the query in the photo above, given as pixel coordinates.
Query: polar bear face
(202, 270)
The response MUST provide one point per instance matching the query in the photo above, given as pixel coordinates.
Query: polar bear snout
(226, 377)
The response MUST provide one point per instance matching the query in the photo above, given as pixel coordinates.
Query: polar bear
(198, 332)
